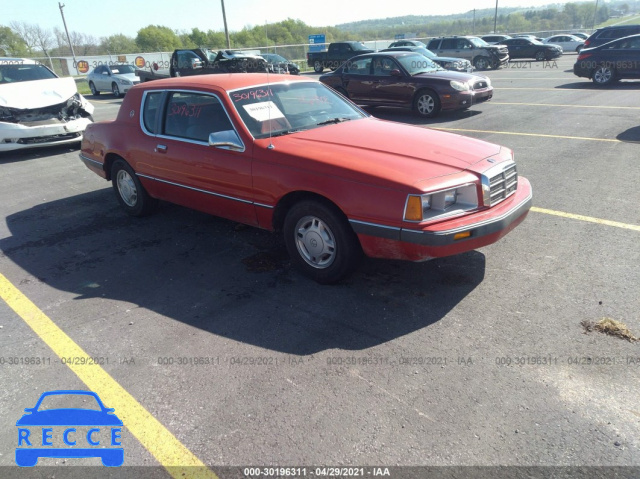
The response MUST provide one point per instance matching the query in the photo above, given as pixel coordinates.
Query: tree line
(28, 40)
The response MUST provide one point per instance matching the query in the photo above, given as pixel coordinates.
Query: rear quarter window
(152, 103)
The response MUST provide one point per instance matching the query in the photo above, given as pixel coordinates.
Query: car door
(184, 169)
(357, 79)
(390, 85)
(101, 75)
(624, 56)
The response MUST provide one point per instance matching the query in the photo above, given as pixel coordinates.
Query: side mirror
(226, 140)
(396, 73)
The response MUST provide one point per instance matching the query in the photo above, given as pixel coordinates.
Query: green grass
(82, 85)
(622, 21)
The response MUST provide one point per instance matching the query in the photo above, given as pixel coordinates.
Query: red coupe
(288, 153)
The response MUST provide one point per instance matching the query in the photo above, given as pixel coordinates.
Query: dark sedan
(279, 64)
(610, 62)
(409, 80)
(448, 63)
(527, 48)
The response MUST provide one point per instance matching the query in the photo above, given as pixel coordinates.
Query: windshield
(122, 69)
(68, 401)
(425, 52)
(19, 72)
(416, 64)
(358, 46)
(282, 108)
(478, 42)
(272, 57)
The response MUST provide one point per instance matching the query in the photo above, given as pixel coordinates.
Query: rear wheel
(131, 195)
(426, 104)
(317, 66)
(604, 75)
(320, 242)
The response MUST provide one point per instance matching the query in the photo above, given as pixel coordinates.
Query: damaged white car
(38, 108)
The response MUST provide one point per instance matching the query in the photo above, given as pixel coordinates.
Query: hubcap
(315, 242)
(481, 64)
(602, 75)
(426, 104)
(127, 188)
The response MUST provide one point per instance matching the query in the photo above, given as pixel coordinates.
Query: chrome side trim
(86, 159)
(195, 189)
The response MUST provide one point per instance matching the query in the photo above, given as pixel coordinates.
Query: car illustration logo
(48, 430)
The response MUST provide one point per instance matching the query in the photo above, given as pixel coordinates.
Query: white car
(569, 43)
(116, 79)
(38, 108)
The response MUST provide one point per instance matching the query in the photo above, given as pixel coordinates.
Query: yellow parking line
(568, 106)
(493, 79)
(613, 140)
(590, 219)
(538, 89)
(179, 462)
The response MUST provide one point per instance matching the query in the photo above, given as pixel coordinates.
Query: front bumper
(16, 136)
(465, 99)
(485, 227)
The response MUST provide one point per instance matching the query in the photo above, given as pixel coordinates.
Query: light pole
(73, 54)
(226, 30)
(595, 12)
(495, 18)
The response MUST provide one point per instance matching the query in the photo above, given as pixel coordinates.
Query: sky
(102, 19)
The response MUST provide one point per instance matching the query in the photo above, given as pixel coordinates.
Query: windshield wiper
(286, 132)
(333, 120)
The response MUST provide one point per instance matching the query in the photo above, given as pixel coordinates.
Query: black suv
(481, 55)
(608, 34)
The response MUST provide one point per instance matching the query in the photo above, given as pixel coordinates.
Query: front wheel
(131, 195)
(317, 66)
(426, 104)
(541, 56)
(482, 63)
(115, 90)
(604, 75)
(94, 90)
(320, 242)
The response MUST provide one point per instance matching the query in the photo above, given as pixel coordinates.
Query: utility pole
(73, 54)
(226, 30)
(595, 12)
(495, 18)
(474, 21)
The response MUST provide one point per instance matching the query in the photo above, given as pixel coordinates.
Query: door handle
(161, 149)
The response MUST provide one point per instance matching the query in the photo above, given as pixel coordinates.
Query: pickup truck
(199, 61)
(336, 55)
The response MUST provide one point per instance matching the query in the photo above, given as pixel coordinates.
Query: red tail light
(584, 56)
(586, 43)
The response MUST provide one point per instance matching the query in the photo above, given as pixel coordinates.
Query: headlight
(124, 82)
(442, 203)
(460, 86)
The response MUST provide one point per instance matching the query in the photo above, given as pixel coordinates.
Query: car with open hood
(38, 108)
(287, 153)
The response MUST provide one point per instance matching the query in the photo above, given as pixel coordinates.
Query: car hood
(449, 75)
(127, 76)
(69, 417)
(383, 152)
(37, 94)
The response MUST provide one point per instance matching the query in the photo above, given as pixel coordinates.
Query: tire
(320, 242)
(115, 90)
(93, 89)
(540, 56)
(603, 75)
(130, 193)
(482, 63)
(426, 104)
(317, 66)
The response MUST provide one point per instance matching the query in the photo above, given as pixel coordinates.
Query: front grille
(503, 184)
(48, 139)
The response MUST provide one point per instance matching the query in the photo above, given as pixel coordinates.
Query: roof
(225, 81)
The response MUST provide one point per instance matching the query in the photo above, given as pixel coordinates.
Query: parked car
(608, 34)
(117, 79)
(530, 37)
(453, 64)
(335, 55)
(407, 43)
(611, 61)
(495, 39)
(37, 108)
(569, 43)
(481, 55)
(288, 153)
(408, 80)
(580, 35)
(526, 48)
(279, 64)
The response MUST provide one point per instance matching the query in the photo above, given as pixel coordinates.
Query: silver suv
(482, 55)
